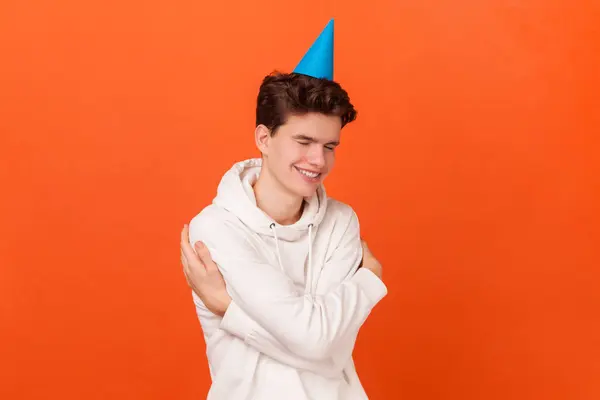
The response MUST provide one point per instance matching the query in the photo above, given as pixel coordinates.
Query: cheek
(284, 154)
(288, 156)
(298, 154)
(330, 158)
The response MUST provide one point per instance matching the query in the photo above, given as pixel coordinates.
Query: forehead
(316, 125)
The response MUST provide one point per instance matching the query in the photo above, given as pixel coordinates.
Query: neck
(284, 207)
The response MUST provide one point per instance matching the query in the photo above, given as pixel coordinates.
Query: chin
(307, 193)
(305, 190)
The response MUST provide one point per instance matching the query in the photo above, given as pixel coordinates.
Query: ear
(262, 135)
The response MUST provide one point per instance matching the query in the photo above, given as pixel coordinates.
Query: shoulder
(343, 214)
(345, 250)
(224, 235)
(213, 225)
(340, 225)
(210, 215)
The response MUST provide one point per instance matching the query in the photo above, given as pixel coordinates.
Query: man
(281, 280)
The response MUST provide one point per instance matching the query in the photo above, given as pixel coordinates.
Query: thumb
(366, 250)
(364, 244)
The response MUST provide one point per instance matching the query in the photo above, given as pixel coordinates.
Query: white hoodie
(298, 296)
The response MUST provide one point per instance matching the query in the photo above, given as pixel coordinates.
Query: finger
(364, 245)
(185, 236)
(184, 262)
(186, 248)
(187, 280)
(205, 256)
(186, 271)
(193, 261)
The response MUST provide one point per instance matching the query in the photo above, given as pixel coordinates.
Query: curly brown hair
(284, 94)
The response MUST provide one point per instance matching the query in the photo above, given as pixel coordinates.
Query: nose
(316, 156)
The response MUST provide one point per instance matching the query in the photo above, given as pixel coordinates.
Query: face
(302, 152)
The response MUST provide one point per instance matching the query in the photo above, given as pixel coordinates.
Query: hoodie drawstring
(308, 286)
(277, 246)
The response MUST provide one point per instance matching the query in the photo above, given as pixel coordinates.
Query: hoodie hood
(236, 195)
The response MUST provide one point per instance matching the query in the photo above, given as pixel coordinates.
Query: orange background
(473, 167)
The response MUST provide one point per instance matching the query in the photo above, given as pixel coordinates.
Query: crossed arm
(268, 313)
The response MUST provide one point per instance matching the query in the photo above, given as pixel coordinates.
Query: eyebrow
(312, 139)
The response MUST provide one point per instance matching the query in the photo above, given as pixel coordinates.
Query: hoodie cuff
(236, 322)
(371, 285)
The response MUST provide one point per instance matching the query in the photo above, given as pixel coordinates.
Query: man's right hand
(203, 275)
(370, 262)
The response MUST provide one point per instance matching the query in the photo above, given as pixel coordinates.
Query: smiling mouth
(309, 174)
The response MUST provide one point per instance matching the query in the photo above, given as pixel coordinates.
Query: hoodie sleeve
(239, 324)
(309, 326)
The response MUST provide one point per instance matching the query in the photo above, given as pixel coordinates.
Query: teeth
(309, 174)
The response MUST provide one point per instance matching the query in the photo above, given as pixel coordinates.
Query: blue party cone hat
(318, 60)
